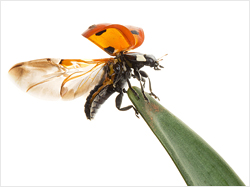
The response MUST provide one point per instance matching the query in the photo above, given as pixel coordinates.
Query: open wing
(114, 38)
(52, 78)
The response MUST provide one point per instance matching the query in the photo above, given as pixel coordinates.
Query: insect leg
(118, 103)
(138, 76)
(144, 74)
(118, 72)
(143, 80)
(136, 94)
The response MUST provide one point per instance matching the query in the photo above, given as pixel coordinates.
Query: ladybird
(97, 79)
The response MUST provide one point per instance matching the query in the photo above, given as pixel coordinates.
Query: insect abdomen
(96, 98)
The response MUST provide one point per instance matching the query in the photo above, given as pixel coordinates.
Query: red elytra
(119, 37)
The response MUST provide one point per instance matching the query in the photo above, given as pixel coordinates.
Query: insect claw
(145, 98)
(137, 113)
(152, 94)
(135, 94)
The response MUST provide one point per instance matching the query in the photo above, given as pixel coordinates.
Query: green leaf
(197, 162)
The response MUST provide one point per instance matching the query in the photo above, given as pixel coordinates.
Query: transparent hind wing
(52, 78)
(83, 81)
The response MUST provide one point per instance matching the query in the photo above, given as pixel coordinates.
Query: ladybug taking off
(68, 79)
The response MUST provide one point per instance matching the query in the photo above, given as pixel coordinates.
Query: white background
(204, 83)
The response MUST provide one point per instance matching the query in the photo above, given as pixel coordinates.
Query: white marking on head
(140, 58)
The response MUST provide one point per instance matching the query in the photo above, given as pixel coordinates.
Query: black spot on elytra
(92, 26)
(61, 61)
(100, 33)
(109, 50)
(134, 32)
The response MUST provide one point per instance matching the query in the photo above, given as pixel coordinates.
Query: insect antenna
(160, 59)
